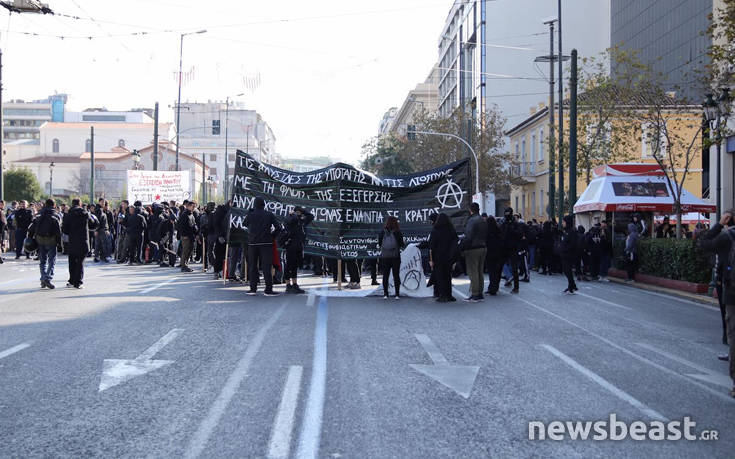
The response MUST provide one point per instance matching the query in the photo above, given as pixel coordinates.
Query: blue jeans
(20, 236)
(47, 258)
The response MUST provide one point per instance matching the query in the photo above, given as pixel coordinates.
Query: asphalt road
(190, 367)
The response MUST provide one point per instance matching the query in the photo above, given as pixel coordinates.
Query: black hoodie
(569, 240)
(76, 224)
(261, 224)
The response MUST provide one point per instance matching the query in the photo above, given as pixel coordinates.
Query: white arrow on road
(459, 378)
(117, 371)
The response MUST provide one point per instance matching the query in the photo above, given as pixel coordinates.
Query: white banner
(157, 186)
(413, 281)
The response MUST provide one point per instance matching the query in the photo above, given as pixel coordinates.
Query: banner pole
(339, 274)
(204, 254)
(224, 263)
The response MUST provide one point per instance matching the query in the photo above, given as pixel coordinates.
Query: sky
(328, 69)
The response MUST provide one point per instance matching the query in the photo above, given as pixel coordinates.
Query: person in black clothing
(390, 242)
(22, 218)
(262, 226)
(594, 246)
(512, 234)
(569, 252)
(46, 230)
(221, 226)
(187, 231)
(135, 225)
(546, 248)
(495, 255)
(208, 234)
(167, 233)
(720, 240)
(154, 233)
(443, 252)
(76, 225)
(294, 242)
(3, 227)
(581, 263)
(100, 235)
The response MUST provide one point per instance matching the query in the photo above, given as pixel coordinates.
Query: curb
(705, 300)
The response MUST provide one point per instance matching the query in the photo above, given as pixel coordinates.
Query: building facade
(22, 120)
(424, 97)
(210, 128)
(462, 59)
(387, 122)
(668, 35)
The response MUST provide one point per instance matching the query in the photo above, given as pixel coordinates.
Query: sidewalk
(706, 300)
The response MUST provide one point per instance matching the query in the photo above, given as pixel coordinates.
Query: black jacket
(221, 220)
(296, 227)
(569, 239)
(718, 241)
(262, 226)
(102, 224)
(135, 224)
(186, 225)
(54, 228)
(76, 224)
(475, 233)
(443, 245)
(23, 219)
(512, 234)
(494, 241)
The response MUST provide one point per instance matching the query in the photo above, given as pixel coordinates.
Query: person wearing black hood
(46, 229)
(135, 224)
(187, 231)
(569, 238)
(443, 253)
(262, 227)
(76, 225)
(512, 235)
(22, 218)
(3, 227)
(100, 235)
(294, 242)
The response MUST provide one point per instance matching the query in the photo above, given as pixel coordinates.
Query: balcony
(527, 170)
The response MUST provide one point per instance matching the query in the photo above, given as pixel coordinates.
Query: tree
(385, 156)
(21, 184)
(721, 69)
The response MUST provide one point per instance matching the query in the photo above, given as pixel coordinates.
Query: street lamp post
(178, 104)
(51, 179)
(716, 113)
(474, 155)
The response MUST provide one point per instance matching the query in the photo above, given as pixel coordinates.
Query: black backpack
(47, 225)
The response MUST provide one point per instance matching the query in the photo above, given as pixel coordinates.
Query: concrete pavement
(337, 377)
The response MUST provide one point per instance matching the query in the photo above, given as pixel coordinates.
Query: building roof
(49, 159)
(104, 125)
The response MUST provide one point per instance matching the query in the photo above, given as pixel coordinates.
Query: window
(55, 145)
(649, 145)
(523, 202)
(533, 202)
(213, 171)
(523, 149)
(518, 150)
(533, 147)
(121, 143)
(516, 203)
(215, 127)
(541, 209)
(213, 157)
(541, 144)
(88, 145)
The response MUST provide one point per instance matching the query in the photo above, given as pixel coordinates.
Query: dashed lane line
(13, 350)
(280, 443)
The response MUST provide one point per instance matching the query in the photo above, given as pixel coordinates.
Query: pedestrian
(187, 230)
(294, 241)
(76, 225)
(607, 250)
(262, 227)
(22, 218)
(46, 230)
(569, 252)
(208, 234)
(721, 240)
(581, 262)
(594, 247)
(3, 228)
(494, 256)
(390, 242)
(135, 225)
(443, 253)
(512, 234)
(631, 251)
(101, 235)
(473, 248)
(221, 230)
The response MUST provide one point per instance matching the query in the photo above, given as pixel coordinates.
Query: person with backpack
(720, 240)
(187, 230)
(46, 230)
(443, 253)
(262, 227)
(76, 225)
(390, 242)
(22, 217)
(293, 239)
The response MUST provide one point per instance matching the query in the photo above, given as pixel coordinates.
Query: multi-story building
(102, 115)
(387, 122)
(462, 63)
(22, 120)
(206, 127)
(424, 97)
(306, 164)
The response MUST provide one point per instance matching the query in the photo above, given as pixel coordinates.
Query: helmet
(30, 244)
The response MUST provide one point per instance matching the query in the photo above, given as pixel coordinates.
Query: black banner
(350, 206)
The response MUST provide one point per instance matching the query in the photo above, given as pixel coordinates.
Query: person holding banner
(262, 226)
(294, 240)
(390, 241)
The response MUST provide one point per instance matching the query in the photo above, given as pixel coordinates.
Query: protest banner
(350, 206)
(156, 186)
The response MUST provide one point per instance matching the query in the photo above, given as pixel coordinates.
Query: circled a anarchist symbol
(412, 280)
(450, 195)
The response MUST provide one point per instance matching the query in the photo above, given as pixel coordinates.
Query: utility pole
(2, 133)
(204, 178)
(91, 163)
(178, 104)
(155, 138)
(561, 123)
(227, 159)
(573, 132)
(552, 142)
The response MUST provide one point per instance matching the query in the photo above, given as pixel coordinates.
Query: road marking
(13, 350)
(622, 395)
(459, 378)
(633, 354)
(708, 375)
(311, 427)
(150, 289)
(310, 299)
(460, 294)
(117, 371)
(280, 443)
(610, 303)
(204, 432)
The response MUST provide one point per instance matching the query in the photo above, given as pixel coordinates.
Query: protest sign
(156, 186)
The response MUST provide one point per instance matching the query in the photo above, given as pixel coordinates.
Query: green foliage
(678, 259)
(21, 184)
